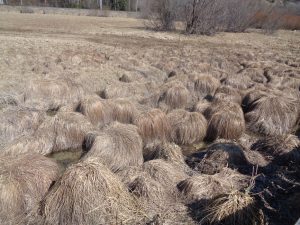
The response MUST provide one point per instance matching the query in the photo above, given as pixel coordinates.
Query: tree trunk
(136, 5)
(100, 4)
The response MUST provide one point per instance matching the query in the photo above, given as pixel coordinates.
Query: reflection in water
(65, 158)
(191, 149)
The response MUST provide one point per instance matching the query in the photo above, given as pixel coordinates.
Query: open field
(178, 127)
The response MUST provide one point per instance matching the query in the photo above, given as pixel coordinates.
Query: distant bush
(161, 14)
(119, 5)
(206, 17)
(210, 16)
(26, 10)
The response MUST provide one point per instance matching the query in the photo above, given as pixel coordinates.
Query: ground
(96, 50)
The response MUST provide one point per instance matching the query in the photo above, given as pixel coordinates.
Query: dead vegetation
(64, 131)
(118, 146)
(223, 154)
(225, 120)
(130, 96)
(271, 114)
(96, 110)
(176, 97)
(16, 122)
(153, 126)
(89, 192)
(187, 128)
(124, 111)
(205, 85)
(50, 94)
(25, 180)
(282, 148)
(233, 208)
(206, 187)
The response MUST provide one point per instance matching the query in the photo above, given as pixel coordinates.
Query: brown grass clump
(166, 173)
(16, 122)
(153, 126)
(24, 180)
(176, 97)
(205, 85)
(205, 187)
(285, 147)
(37, 143)
(129, 174)
(238, 81)
(223, 154)
(169, 152)
(271, 114)
(66, 130)
(237, 208)
(124, 111)
(96, 110)
(247, 140)
(161, 206)
(187, 127)
(49, 94)
(127, 90)
(202, 106)
(119, 146)
(226, 124)
(227, 93)
(221, 106)
(89, 193)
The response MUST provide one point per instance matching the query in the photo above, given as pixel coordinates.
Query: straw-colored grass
(187, 127)
(237, 208)
(24, 180)
(89, 193)
(153, 125)
(118, 146)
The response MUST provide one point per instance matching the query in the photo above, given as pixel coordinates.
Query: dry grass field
(156, 127)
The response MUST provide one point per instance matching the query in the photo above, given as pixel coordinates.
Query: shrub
(161, 14)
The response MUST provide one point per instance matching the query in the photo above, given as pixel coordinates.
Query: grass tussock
(16, 122)
(89, 193)
(205, 85)
(205, 187)
(283, 147)
(220, 155)
(175, 97)
(47, 94)
(225, 120)
(124, 111)
(169, 152)
(227, 93)
(24, 180)
(166, 173)
(96, 110)
(118, 146)
(187, 127)
(271, 114)
(64, 131)
(233, 208)
(153, 126)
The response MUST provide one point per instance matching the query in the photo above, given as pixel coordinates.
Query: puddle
(188, 150)
(52, 112)
(65, 158)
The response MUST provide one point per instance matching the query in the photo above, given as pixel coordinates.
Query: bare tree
(239, 14)
(202, 16)
(161, 14)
